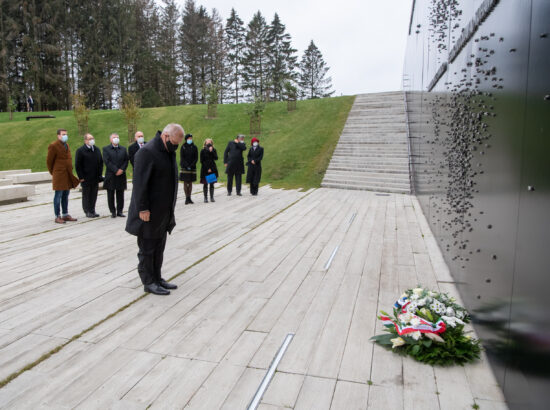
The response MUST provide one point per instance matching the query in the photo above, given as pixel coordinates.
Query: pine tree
(313, 70)
(168, 53)
(255, 70)
(218, 70)
(235, 38)
(281, 58)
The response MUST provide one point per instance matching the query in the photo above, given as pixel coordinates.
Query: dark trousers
(89, 197)
(119, 200)
(61, 198)
(150, 256)
(238, 182)
(254, 188)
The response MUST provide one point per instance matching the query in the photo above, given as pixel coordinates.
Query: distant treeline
(166, 56)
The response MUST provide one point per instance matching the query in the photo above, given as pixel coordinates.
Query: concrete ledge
(4, 174)
(15, 193)
(6, 181)
(31, 178)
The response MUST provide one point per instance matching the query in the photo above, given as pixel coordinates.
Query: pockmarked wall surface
(477, 82)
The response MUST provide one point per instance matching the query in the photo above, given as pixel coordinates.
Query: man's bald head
(173, 133)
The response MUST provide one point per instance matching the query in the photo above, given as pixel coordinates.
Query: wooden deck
(250, 270)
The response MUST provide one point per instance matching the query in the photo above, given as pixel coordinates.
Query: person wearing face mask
(151, 212)
(139, 142)
(189, 154)
(234, 163)
(209, 156)
(115, 157)
(60, 165)
(254, 174)
(89, 168)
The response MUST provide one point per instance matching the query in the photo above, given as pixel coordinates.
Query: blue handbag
(211, 178)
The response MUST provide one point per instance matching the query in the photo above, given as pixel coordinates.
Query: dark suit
(155, 189)
(254, 173)
(89, 167)
(132, 149)
(233, 157)
(115, 158)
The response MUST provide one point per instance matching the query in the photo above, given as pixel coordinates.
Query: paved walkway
(250, 270)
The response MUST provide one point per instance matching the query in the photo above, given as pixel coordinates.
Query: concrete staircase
(372, 151)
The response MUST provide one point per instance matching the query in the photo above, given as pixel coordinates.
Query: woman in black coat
(189, 154)
(208, 166)
(254, 174)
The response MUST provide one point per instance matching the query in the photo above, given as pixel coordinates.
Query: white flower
(432, 294)
(421, 302)
(415, 335)
(418, 291)
(414, 296)
(460, 314)
(435, 337)
(415, 321)
(397, 342)
(452, 321)
(405, 317)
(450, 311)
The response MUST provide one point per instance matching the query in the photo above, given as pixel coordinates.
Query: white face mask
(116, 141)
(255, 144)
(141, 140)
(91, 143)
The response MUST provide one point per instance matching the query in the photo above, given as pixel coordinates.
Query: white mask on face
(116, 141)
(91, 143)
(255, 144)
(140, 140)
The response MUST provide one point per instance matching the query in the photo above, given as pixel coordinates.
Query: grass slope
(298, 145)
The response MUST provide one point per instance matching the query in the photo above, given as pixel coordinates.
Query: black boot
(212, 193)
(191, 201)
(186, 200)
(206, 199)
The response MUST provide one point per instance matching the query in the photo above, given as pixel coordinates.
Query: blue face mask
(189, 141)
(64, 138)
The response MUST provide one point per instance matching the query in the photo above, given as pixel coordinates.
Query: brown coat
(60, 166)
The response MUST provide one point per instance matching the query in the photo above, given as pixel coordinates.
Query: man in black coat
(234, 164)
(115, 157)
(89, 167)
(151, 212)
(254, 163)
(133, 148)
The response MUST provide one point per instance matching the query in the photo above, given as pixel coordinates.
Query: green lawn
(298, 145)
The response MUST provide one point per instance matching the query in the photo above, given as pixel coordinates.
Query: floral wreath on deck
(429, 326)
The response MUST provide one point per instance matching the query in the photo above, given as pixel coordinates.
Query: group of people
(90, 161)
(232, 160)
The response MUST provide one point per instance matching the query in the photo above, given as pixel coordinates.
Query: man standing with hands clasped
(234, 164)
(89, 167)
(151, 212)
(115, 157)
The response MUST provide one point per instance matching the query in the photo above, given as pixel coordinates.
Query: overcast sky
(362, 41)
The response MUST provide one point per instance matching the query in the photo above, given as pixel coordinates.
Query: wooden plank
(385, 398)
(284, 390)
(243, 392)
(316, 394)
(350, 396)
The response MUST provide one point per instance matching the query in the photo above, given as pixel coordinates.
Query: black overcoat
(233, 157)
(155, 189)
(132, 149)
(115, 159)
(208, 161)
(89, 165)
(254, 173)
(189, 155)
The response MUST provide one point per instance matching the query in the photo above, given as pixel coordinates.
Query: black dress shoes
(113, 215)
(239, 194)
(156, 289)
(94, 215)
(167, 285)
(121, 215)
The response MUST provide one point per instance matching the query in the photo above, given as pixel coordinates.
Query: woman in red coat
(60, 165)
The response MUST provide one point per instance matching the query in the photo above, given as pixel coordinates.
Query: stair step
(368, 176)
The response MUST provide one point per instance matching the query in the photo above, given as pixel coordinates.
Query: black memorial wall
(477, 83)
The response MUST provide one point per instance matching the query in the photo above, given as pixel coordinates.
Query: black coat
(233, 157)
(189, 155)
(254, 173)
(208, 161)
(155, 189)
(115, 159)
(89, 165)
(132, 149)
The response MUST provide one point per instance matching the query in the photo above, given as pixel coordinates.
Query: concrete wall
(477, 80)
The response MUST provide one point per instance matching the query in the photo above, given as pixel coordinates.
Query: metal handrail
(409, 148)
